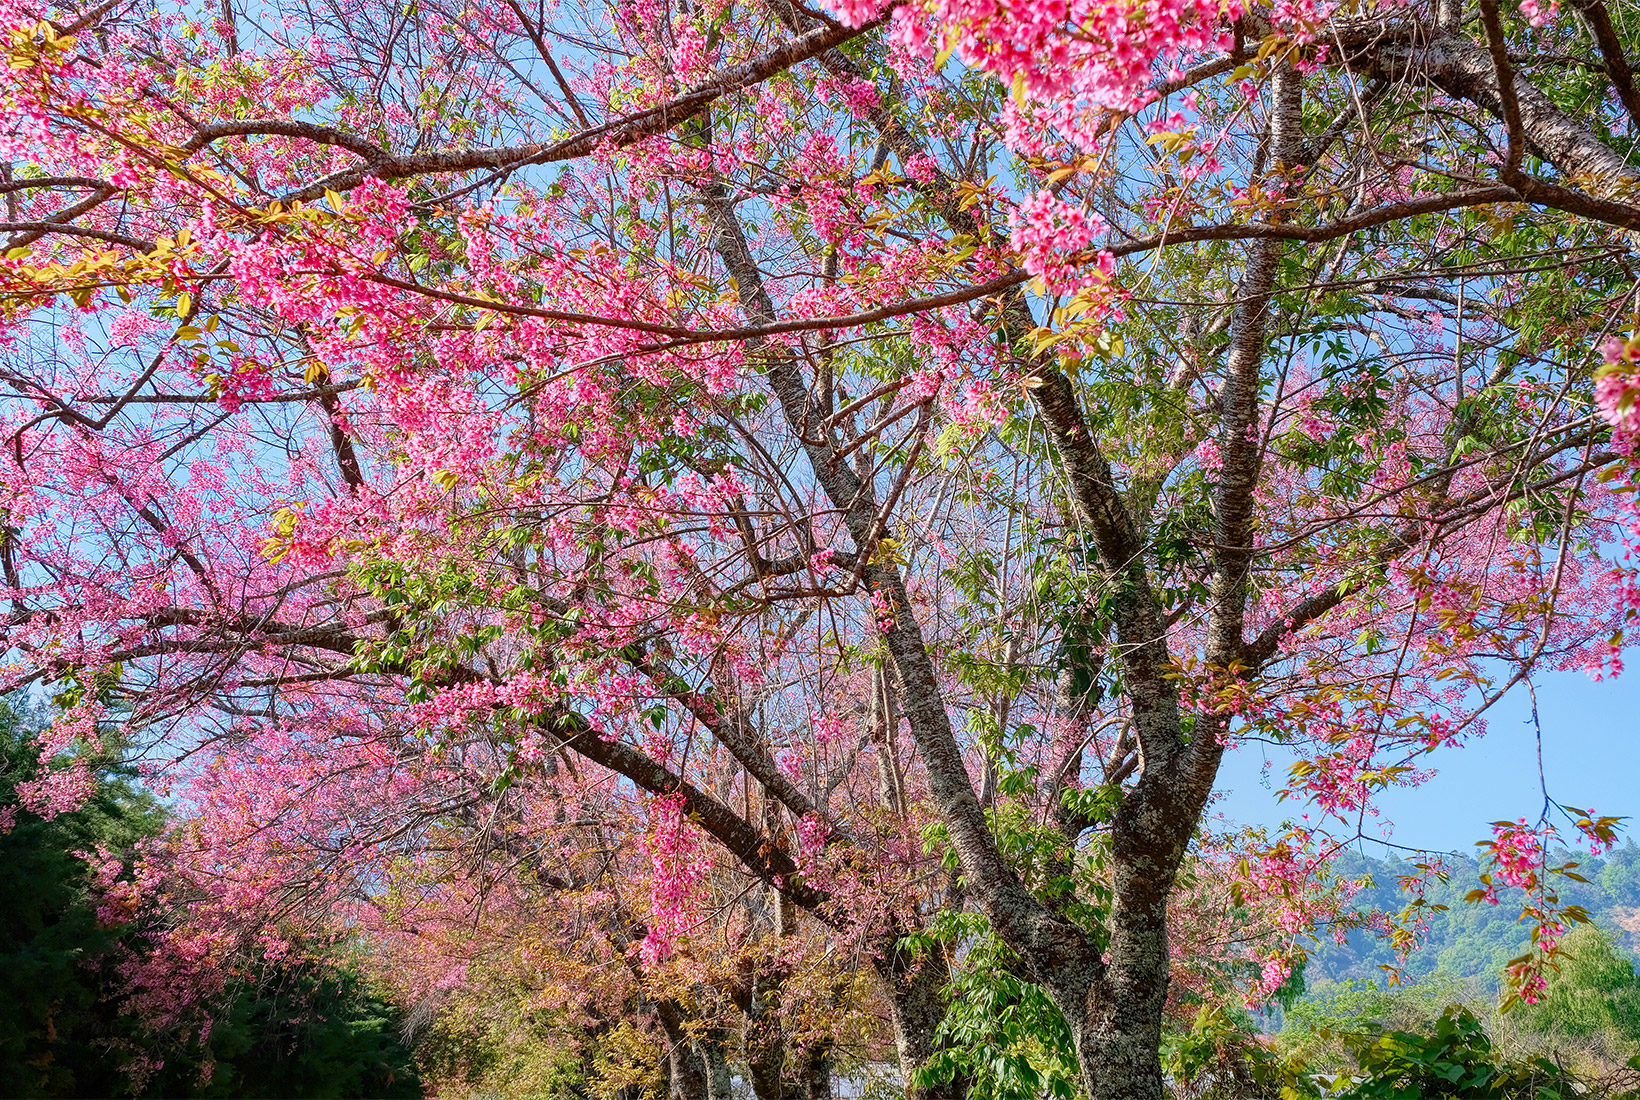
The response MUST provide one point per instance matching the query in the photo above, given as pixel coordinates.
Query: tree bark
(814, 1073)
(714, 1056)
(763, 1036)
(916, 1004)
(686, 1070)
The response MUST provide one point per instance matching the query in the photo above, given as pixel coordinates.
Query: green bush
(1455, 1061)
(311, 1030)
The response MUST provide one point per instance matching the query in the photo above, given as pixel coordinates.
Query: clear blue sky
(1591, 757)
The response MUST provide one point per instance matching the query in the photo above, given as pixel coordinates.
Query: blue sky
(1591, 758)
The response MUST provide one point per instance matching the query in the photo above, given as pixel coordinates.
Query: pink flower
(58, 791)
(921, 168)
(1049, 234)
(1616, 388)
(1539, 16)
(679, 867)
(857, 13)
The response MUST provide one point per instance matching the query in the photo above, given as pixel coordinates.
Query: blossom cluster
(1051, 235)
(678, 867)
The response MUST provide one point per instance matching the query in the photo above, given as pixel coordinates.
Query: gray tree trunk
(916, 987)
(686, 1071)
(814, 1069)
(714, 1057)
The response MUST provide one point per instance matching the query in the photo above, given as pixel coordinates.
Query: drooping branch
(731, 728)
(760, 855)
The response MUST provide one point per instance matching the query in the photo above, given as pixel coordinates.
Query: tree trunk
(916, 986)
(1125, 1054)
(814, 1073)
(686, 1072)
(714, 1057)
(764, 1037)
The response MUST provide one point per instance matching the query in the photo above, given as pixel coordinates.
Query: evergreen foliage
(59, 1023)
(294, 1031)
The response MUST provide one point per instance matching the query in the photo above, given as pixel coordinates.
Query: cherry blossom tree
(800, 472)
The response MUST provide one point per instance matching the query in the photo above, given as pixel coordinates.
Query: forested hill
(1472, 941)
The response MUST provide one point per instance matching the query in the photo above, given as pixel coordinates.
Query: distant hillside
(1470, 940)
